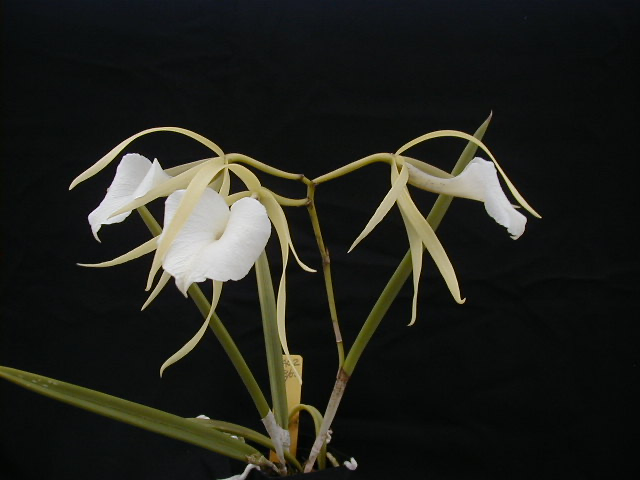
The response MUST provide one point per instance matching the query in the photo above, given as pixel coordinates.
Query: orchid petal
(164, 279)
(470, 138)
(431, 242)
(213, 242)
(108, 158)
(188, 201)
(389, 200)
(415, 244)
(279, 220)
(147, 247)
(135, 176)
(177, 170)
(190, 345)
(478, 181)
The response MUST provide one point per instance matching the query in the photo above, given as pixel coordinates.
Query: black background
(534, 377)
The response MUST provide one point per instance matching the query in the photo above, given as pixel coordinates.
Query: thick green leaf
(133, 413)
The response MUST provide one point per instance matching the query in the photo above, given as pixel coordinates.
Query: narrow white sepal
(351, 464)
(243, 475)
(135, 176)
(478, 181)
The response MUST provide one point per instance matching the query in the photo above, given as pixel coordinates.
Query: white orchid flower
(215, 243)
(478, 181)
(201, 238)
(135, 176)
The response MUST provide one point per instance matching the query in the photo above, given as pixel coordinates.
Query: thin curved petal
(108, 158)
(164, 279)
(431, 242)
(478, 181)
(135, 176)
(190, 345)
(388, 201)
(147, 247)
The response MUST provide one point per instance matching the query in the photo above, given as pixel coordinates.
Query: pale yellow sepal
(431, 242)
(178, 169)
(417, 250)
(164, 279)
(425, 167)
(389, 200)
(470, 138)
(108, 158)
(217, 290)
(147, 247)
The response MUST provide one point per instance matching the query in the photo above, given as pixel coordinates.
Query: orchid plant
(210, 233)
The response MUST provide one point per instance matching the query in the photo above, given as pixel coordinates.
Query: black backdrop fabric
(535, 376)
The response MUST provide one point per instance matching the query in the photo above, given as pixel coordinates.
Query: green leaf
(132, 413)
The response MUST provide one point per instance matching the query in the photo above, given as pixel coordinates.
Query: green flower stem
(326, 270)
(363, 162)
(240, 158)
(272, 341)
(290, 202)
(317, 423)
(221, 333)
(385, 300)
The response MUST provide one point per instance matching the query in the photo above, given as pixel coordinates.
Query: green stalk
(216, 326)
(317, 423)
(240, 158)
(363, 162)
(272, 341)
(326, 270)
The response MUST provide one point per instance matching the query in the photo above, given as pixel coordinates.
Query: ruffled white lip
(478, 181)
(215, 243)
(135, 176)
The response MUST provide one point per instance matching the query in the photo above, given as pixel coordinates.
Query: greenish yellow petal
(431, 242)
(147, 247)
(164, 279)
(190, 345)
(108, 158)
(387, 202)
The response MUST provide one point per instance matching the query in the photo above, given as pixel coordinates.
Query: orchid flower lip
(135, 176)
(478, 181)
(215, 242)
